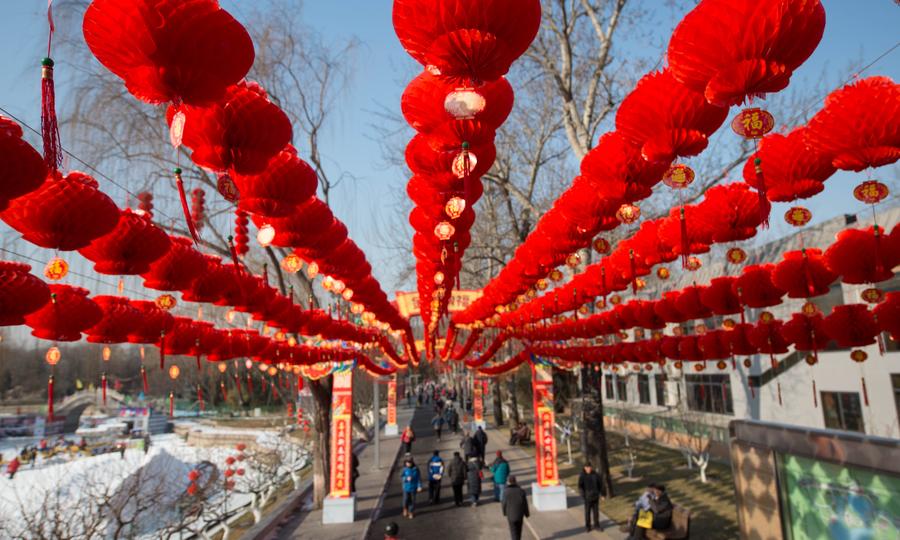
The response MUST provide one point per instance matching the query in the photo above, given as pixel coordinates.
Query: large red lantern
(864, 255)
(734, 49)
(65, 213)
(119, 319)
(153, 322)
(803, 274)
(169, 50)
(21, 293)
(286, 183)
(787, 169)
(177, 269)
(128, 249)
(22, 169)
(68, 313)
(852, 325)
(887, 314)
(755, 287)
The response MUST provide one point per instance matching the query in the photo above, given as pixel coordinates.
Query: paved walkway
(369, 486)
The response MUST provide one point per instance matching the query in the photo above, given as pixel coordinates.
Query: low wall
(207, 439)
(671, 433)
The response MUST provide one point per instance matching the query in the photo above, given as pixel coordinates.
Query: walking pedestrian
(407, 438)
(412, 483)
(392, 531)
(435, 474)
(469, 446)
(438, 424)
(473, 476)
(454, 420)
(12, 467)
(354, 472)
(500, 473)
(515, 508)
(590, 485)
(457, 473)
(481, 440)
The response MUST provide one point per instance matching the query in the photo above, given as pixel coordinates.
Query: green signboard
(823, 500)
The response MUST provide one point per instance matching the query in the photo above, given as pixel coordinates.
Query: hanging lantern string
(85, 164)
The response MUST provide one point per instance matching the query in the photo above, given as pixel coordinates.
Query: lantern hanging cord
(84, 163)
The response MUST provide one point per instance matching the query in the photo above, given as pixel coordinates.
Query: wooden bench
(679, 529)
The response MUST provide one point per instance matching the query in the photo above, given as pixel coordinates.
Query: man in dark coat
(515, 508)
(469, 446)
(590, 485)
(457, 473)
(481, 440)
(473, 477)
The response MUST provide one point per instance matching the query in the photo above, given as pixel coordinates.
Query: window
(895, 382)
(608, 381)
(709, 393)
(621, 388)
(842, 411)
(644, 388)
(661, 379)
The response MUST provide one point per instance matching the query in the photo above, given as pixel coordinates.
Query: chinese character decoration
(678, 176)
(663, 273)
(454, 207)
(555, 275)
(628, 213)
(872, 295)
(292, 263)
(573, 260)
(602, 246)
(166, 302)
(56, 269)
(736, 255)
(754, 123)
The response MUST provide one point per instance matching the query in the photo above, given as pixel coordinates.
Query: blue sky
(856, 30)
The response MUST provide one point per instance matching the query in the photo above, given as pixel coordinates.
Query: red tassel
(773, 359)
(162, 351)
(879, 261)
(865, 391)
(200, 398)
(765, 207)
(752, 392)
(224, 391)
(50, 399)
(234, 255)
(49, 123)
(171, 404)
(733, 363)
(779, 395)
(685, 242)
(184, 206)
(634, 269)
(815, 397)
(807, 274)
(144, 380)
(249, 384)
(880, 340)
(198, 362)
(266, 274)
(103, 386)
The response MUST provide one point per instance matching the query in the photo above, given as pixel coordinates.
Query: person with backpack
(435, 474)
(412, 483)
(457, 472)
(500, 472)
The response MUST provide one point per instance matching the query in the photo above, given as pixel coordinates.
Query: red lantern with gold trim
(871, 192)
(753, 123)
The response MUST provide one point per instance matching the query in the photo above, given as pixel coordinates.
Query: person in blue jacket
(412, 483)
(435, 474)
(500, 472)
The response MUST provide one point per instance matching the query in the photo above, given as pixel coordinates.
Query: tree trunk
(596, 448)
(321, 391)
(498, 402)
(512, 390)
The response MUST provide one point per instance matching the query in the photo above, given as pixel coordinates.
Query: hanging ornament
(693, 263)
(174, 372)
(871, 192)
(542, 284)
(145, 203)
(198, 208)
(573, 260)
(464, 103)
(639, 283)
(797, 216)
(166, 302)
(858, 355)
(438, 278)
(53, 356)
(444, 231)
(698, 367)
(678, 176)
(265, 235)
(811, 359)
(106, 353)
(872, 295)
(227, 188)
(241, 240)
(728, 324)
(347, 294)
(663, 273)
(615, 299)
(601, 246)
(179, 183)
(312, 270)
(628, 213)
(748, 363)
(555, 275)
(736, 255)
(292, 263)
(144, 380)
(455, 207)
(721, 364)
(463, 163)
(753, 123)
(810, 309)
(56, 269)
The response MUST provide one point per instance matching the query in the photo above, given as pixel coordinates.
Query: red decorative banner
(392, 401)
(544, 424)
(478, 402)
(341, 429)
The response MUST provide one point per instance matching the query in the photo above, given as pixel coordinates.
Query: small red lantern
(811, 359)
(678, 364)
(678, 176)
(347, 294)
(699, 367)
(56, 269)
(444, 231)
(602, 246)
(721, 364)
(748, 363)
(858, 355)
(174, 372)
(542, 284)
(766, 317)
(53, 356)
(639, 283)
(871, 192)
(810, 309)
(600, 304)
(694, 263)
(753, 123)
(166, 302)
(227, 188)
(798, 216)
(312, 270)
(736, 255)
(455, 207)
(872, 295)
(728, 324)
(556, 275)
(583, 310)
(292, 263)
(628, 213)
(663, 273)
(573, 260)
(615, 299)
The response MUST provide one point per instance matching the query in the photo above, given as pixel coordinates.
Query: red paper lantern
(753, 123)
(177, 269)
(22, 169)
(730, 212)
(119, 319)
(618, 171)
(128, 249)
(241, 133)
(803, 274)
(734, 49)
(852, 325)
(887, 313)
(68, 313)
(871, 192)
(628, 213)
(467, 39)
(806, 333)
(797, 216)
(152, 323)
(169, 50)
(787, 169)
(755, 287)
(852, 132)
(667, 119)
(286, 183)
(864, 255)
(65, 213)
(21, 293)
(211, 284)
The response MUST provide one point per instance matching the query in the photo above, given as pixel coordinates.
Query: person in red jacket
(13, 467)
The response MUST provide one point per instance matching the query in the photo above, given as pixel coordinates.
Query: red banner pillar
(391, 427)
(547, 492)
(340, 505)
(478, 403)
